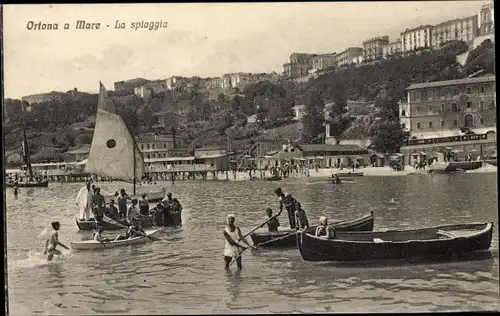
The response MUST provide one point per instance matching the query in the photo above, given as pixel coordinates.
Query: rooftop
(328, 147)
(455, 82)
(417, 28)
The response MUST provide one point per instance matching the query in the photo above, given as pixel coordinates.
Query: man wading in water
(52, 242)
(289, 203)
(232, 246)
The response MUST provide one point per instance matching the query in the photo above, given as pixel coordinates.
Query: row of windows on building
(468, 122)
(163, 155)
(429, 94)
(152, 146)
(454, 108)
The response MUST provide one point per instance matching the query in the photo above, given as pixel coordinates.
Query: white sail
(112, 150)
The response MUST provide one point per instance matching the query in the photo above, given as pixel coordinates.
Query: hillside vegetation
(55, 127)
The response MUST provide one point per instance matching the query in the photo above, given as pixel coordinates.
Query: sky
(205, 40)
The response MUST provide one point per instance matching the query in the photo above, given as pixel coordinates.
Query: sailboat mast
(134, 169)
(26, 150)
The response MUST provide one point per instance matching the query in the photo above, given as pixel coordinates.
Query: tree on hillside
(481, 58)
(314, 119)
(146, 119)
(338, 118)
(386, 132)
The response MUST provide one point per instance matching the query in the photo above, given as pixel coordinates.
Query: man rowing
(233, 235)
(53, 241)
(289, 202)
(272, 222)
(134, 230)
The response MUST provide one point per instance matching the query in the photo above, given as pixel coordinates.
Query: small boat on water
(342, 181)
(274, 178)
(454, 166)
(90, 224)
(286, 238)
(34, 182)
(429, 242)
(40, 184)
(93, 244)
(344, 174)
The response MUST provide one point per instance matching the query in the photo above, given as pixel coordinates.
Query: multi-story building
(346, 57)
(162, 146)
(446, 114)
(44, 97)
(487, 19)
(299, 65)
(151, 88)
(128, 86)
(391, 48)
(323, 61)
(418, 37)
(372, 48)
(464, 29)
(54, 96)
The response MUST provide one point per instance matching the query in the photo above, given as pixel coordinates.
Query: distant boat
(30, 183)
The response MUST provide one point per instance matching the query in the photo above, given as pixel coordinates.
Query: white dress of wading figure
(84, 201)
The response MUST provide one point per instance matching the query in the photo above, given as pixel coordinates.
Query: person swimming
(53, 241)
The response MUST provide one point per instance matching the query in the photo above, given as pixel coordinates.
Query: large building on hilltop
(347, 56)
(487, 19)
(299, 65)
(128, 86)
(464, 29)
(415, 38)
(373, 47)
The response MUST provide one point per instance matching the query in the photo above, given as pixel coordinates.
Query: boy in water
(53, 241)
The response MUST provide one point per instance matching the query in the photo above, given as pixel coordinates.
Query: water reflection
(233, 283)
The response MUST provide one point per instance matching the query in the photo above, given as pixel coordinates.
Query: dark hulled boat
(274, 178)
(39, 184)
(446, 240)
(286, 238)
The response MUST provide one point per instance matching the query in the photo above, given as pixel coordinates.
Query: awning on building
(379, 155)
(456, 151)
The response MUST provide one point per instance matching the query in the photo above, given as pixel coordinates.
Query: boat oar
(244, 236)
(125, 227)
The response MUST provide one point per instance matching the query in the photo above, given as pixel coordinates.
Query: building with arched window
(457, 115)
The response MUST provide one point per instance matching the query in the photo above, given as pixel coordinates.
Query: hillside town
(439, 117)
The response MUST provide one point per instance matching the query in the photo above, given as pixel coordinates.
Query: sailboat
(114, 152)
(30, 181)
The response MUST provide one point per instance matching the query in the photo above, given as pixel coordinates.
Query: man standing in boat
(301, 217)
(289, 202)
(98, 204)
(132, 213)
(144, 205)
(84, 201)
(122, 203)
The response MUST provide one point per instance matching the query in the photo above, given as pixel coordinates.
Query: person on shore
(122, 203)
(132, 212)
(112, 211)
(233, 235)
(324, 230)
(272, 222)
(84, 201)
(301, 218)
(16, 190)
(53, 241)
(144, 205)
(98, 204)
(289, 203)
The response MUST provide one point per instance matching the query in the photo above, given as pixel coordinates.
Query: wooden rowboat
(92, 244)
(90, 224)
(446, 240)
(274, 178)
(40, 184)
(286, 238)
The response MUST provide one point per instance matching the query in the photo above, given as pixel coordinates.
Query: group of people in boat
(165, 213)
